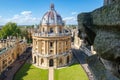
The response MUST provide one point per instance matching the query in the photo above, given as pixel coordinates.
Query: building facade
(11, 50)
(51, 42)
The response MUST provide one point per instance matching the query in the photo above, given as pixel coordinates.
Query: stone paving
(81, 57)
(15, 66)
(51, 73)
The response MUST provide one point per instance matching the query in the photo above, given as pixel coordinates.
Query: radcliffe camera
(60, 40)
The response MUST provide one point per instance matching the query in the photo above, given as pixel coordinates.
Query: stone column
(54, 47)
(39, 46)
(57, 29)
(44, 47)
(47, 47)
(62, 46)
(33, 43)
(37, 60)
(55, 62)
(64, 60)
(65, 46)
(47, 62)
(69, 43)
(57, 47)
(33, 60)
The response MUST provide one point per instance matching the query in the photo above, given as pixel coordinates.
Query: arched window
(51, 30)
(67, 59)
(34, 59)
(51, 44)
(43, 29)
(42, 61)
(60, 61)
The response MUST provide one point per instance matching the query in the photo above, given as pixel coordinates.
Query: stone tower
(106, 2)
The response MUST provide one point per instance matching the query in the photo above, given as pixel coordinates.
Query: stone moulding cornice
(52, 55)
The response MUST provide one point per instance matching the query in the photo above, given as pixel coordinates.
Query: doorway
(67, 59)
(51, 63)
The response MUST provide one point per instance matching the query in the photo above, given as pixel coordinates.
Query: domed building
(51, 42)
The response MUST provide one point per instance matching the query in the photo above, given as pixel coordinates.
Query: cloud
(24, 18)
(70, 20)
(74, 13)
(26, 13)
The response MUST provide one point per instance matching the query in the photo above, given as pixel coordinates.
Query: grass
(30, 72)
(74, 72)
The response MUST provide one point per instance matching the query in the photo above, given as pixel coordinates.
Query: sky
(30, 12)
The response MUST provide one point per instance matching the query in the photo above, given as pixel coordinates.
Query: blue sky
(27, 12)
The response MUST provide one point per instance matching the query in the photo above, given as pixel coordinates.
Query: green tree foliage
(72, 26)
(10, 29)
(25, 33)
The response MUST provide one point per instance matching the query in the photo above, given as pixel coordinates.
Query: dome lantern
(51, 17)
(52, 6)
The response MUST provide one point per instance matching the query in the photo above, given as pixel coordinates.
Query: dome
(51, 17)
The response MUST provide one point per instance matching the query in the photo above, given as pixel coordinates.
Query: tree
(10, 29)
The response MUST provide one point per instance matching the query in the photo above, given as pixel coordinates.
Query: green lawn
(74, 72)
(30, 72)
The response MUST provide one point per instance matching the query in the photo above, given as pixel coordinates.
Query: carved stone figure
(101, 28)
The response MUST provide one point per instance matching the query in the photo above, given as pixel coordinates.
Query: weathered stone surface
(102, 30)
(98, 69)
(105, 16)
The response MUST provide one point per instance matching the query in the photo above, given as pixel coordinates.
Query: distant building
(52, 43)
(10, 49)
